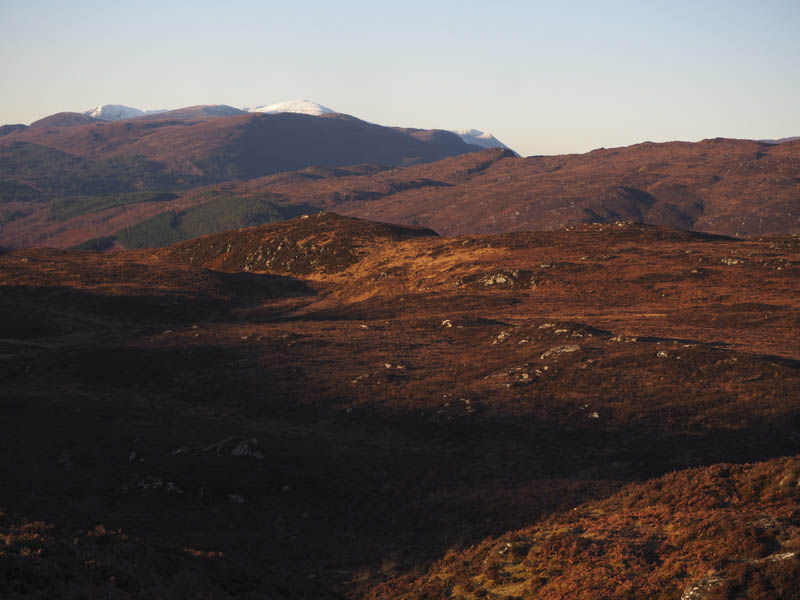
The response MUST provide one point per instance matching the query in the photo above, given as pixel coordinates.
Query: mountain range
(117, 112)
(74, 179)
(72, 154)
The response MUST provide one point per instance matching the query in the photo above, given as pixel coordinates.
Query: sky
(544, 77)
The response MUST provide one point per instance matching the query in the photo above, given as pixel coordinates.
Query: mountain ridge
(729, 187)
(119, 112)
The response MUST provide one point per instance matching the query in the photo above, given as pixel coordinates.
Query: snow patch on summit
(479, 138)
(113, 112)
(304, 107)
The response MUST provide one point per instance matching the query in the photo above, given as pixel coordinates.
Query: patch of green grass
(161, 230)
(220, 214)
(99, 244)
(63, 209)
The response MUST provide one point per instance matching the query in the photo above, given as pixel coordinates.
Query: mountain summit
(119, 112)
(303, 107)
(309, 107)
(479, 138)
(113, 112)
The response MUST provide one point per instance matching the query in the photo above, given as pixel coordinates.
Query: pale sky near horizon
(545, 77)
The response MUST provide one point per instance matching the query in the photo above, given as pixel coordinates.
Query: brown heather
(329, 407)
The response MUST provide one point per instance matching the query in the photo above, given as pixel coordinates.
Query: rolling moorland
(329, 407)
(70, 180)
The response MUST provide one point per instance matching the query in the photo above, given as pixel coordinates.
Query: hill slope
(329, 407)
(73, 156)
(730, 187)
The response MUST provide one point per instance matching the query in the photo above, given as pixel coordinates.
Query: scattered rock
(495, 279)
(789, 480)
(517, 376)
(233, 446)
(502, 336)
(174, 489)
(780, 556)
(245, 448)
(391, 366)
(560, 350)
(504, 278)
(701, 589)
(150, 483)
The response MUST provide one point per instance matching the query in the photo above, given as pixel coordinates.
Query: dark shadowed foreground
(333, 408)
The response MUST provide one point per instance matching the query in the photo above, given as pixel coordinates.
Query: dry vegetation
(329, 407)
(723, 186)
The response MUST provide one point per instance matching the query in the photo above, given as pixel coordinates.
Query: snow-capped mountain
(308, 107)
(479, 138)
(114, 112)
(305, 107)
(117, 112)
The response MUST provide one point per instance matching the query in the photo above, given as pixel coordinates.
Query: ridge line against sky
(544, 77)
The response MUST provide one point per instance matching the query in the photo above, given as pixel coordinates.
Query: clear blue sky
(543, 76)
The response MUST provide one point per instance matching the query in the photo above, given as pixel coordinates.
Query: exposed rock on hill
(321, 243)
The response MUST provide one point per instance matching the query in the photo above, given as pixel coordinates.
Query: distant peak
(475, 133)
(113, 112)
(479, 138)
(305, 107)
(780, 140)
